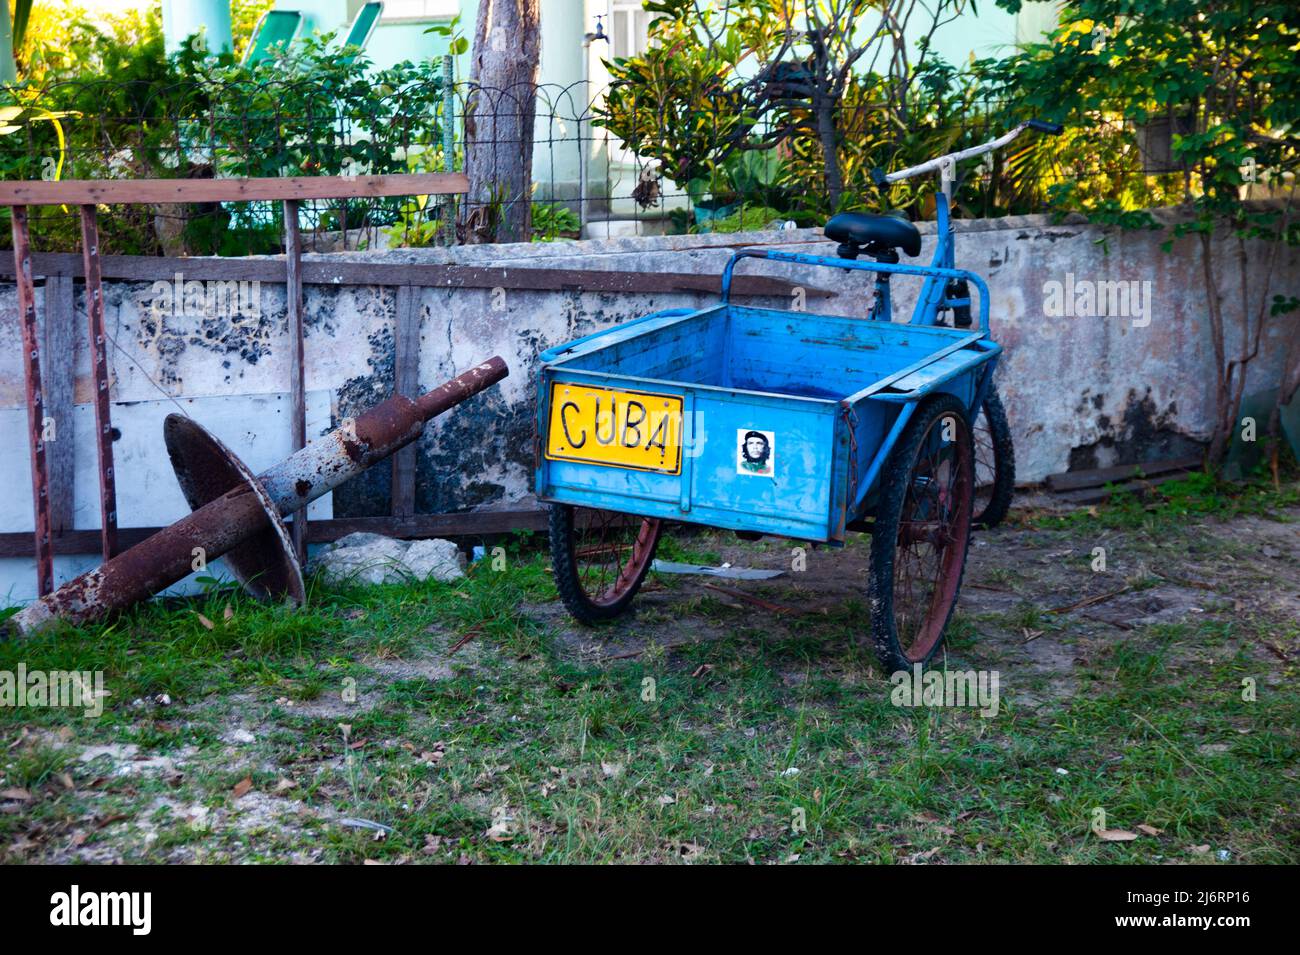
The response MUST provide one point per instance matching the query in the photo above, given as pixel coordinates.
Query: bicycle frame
(931, 299)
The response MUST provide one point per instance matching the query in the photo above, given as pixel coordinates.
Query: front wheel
(921, 533)
(600, 559)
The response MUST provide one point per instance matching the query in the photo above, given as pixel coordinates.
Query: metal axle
(238, 515)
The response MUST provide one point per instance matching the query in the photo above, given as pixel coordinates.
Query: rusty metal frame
(86, 194)
(35, 403)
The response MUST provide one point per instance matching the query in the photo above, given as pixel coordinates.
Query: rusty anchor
(238, 515)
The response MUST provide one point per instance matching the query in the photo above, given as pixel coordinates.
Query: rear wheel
(995, 463)
(599, 559)
(921, 533)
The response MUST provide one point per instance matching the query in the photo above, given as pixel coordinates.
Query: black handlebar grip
(1043, 126)
(878, 177)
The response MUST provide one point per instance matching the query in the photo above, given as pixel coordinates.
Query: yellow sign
(623, 429)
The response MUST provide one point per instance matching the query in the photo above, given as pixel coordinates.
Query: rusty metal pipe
(233, 518)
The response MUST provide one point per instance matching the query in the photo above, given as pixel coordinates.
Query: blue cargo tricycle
(787, 423)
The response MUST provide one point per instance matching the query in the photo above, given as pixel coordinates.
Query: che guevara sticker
(755, 452)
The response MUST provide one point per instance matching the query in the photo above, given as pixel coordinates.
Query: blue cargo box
(786, 417)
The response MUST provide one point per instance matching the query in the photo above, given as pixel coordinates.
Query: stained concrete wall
(1080, 391)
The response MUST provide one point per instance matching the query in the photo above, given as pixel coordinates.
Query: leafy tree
(1225, 75)
(106, 101)
(830, 81)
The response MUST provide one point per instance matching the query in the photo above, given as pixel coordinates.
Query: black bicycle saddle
(861, 231)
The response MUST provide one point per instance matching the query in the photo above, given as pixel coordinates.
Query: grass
(768, 742)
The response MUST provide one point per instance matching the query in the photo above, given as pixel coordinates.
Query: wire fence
(604, 161)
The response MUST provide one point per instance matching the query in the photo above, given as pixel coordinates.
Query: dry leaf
(1115, 835)
(18, 795)
(666, 800)
(205, 621)
(1149, 830)
(229, 614)
(284, 785)
(242, 787)
(611, 770)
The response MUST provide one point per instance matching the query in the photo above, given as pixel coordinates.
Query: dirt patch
(1039, 602)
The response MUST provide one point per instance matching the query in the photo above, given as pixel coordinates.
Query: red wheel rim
(611, 552)
(932, 533)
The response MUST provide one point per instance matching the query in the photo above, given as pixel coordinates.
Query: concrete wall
(1080, 391)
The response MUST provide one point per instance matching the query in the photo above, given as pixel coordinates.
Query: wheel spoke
(611, 552)
(934, 518)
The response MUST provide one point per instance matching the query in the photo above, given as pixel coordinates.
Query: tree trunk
(1224, 415)
(8, 69)
(829, 138)
(499, 117)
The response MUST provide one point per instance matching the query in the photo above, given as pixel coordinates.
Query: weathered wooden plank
(1095, 495)
(161, 191)
(35, 402)
(58, 373)
(99, 371)
(473, 524)
(153, 269)
(1097, 477)
(433, 525)
(297, 366)
(406, 375)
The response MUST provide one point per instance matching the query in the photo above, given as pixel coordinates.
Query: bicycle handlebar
(937, 164)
